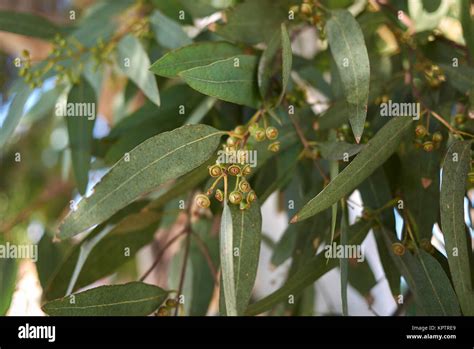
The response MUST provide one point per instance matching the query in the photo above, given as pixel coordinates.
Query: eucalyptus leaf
(350, 54)
(132, 299)
(132, 59)
(309, 272)
(455, 170)
(191, 56)
(14, 114)
(233, 80)
(227, 262)
(168, 33)
(27, 24)
(374, 154)
(80, 129)
(152, 163)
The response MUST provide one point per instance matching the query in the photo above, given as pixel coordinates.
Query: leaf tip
(294, 219)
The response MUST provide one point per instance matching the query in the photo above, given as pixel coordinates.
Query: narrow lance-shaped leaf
(227, 263)
(15, 112)
(309, 273)
(455, 170)
(247, 236)
(133, 60)
(27, 24)
(277, 51)
(195, 55)
(132, 299)
(233, 80)
(374, 154)
(80, 124)
(161, 158)
(168, 33)
(350, 54)
(426, 279)
(344, 262)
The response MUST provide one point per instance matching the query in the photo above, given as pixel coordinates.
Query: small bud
(459, 119)
(244, 186)
(163, 312)
(232, 141)
(234, 170)
(202, 201)
(240, 130)
(219, 195)
(428, 146)
(244, 205)
(172, 303)
(215, 171)
(420, 131)
(437, 137)
(251, 197)
(260, 134)
(235, 197)
(246, 170)
(271, 132)
(398, 248)
(274, 147)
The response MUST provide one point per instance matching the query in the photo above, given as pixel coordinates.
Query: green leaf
(117, 247)
(132, 299)
(227, 262)
(27, 24)
(350, 54)
(45, 104)
(252, 21)
(339, 150)
(15, 112)
(375, 193)
(461, 77)
(344, 262)
(455, 170)
(247, 235)
(374, 154)
(426, 279)
(232, 80)
(277, 51)
(151, 164)
(80, 129)
(195, 55)
(309, 272)
(168, 33)
(133, 60)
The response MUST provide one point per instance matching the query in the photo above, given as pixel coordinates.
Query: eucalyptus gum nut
(398, 248)
(215, 171)
(235, 197)
(234, 170)
(244, 186)
(202, 201)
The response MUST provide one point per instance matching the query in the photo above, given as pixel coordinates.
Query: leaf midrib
(108, 304)
(141, 171)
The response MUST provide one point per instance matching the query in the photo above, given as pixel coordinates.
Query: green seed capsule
(234, 170)
(172, 303)
(251, 197)
(215, 171)
(437, 137)
(420, 131)
(398, 249)
(232, 141)
(271, 133)
(219, 195)
(274, 147)
(202, 201)
(244, 186)
(240, 130)
(428, 146)
(246, 170)
(235, 197)
(260, 134)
